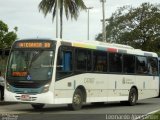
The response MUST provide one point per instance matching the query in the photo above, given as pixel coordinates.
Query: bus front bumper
(45, 98)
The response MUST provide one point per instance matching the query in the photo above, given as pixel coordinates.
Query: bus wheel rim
(133, 97)
(77, 99)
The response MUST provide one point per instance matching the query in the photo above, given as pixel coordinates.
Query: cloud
(31, 23)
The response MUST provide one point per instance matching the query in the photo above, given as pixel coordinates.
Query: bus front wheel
(77, 100)
(37, 106)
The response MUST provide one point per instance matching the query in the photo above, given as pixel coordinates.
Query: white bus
(43, 71)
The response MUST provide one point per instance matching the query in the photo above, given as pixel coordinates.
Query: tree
(6, 37)
(138, 27)
(70, 7)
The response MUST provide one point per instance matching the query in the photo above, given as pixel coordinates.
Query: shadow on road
(64, 109)
(7, 103)
(113, 105)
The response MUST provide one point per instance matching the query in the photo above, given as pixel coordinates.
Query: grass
(155, 116)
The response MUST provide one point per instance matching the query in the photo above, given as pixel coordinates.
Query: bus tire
(0, 95)
(37, 106)
(77, 100)
(133, 96)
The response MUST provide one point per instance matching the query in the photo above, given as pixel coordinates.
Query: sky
(32, 24)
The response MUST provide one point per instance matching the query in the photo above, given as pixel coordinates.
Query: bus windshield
(30, 65)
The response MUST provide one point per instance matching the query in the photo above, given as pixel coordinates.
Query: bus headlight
(45, 88)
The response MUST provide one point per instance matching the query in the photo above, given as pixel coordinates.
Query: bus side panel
(99, 88)
(147, 86)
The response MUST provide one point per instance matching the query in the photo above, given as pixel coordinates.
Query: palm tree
(70, 7)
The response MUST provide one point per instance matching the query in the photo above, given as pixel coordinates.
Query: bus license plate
(25, 97)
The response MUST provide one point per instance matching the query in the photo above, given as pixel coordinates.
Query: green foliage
(70, 7)
(138, 27)
(6, 37)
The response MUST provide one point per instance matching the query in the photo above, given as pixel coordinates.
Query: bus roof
(111, 47)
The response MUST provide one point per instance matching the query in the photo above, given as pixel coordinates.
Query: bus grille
(22, 92)
(31, 98)
(26, 85)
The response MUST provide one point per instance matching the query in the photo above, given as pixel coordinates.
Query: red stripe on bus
(112, 50)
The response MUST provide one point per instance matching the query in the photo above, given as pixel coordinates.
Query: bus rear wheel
(37, 106)
(133, 96)
(132, 99)
(77, 100)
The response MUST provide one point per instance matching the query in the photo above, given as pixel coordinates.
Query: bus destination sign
(33, 44)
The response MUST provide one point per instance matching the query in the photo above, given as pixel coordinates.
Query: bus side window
(128, 64)
(142, 67)
(152, 66)
(83, 60)
(64, 62)
(100, 61)
(115, 62)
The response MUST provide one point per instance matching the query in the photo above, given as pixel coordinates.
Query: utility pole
(88, 21)
(103, 24)
(57, 19)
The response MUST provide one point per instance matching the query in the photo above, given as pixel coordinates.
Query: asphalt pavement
(108, 111)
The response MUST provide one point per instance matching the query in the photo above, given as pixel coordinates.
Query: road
(88, 112)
